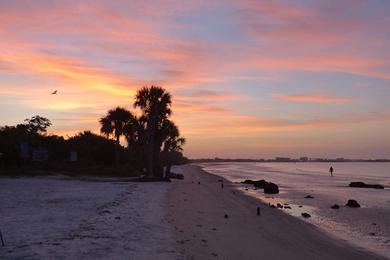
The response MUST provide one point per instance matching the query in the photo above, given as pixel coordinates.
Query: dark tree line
(153, 140)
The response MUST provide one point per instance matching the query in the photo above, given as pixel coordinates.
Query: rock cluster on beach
(268, 187)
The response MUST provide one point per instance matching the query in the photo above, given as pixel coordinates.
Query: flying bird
(53, 93)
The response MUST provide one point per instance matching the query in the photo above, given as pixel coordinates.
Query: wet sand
(367, 226)
(197, 215)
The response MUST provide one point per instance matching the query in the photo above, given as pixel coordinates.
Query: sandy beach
(202, 232)
(64, 218)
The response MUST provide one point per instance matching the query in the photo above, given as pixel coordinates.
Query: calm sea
(379, 172)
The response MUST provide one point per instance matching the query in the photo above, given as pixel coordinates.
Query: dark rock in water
(309, 197)
(352, 204)
(287, 207)
(300, 206)
(199, 182)
(271, 205)
(306, 215)
(335, 206)
(260, 184)
(117, 217)
(271, 188)
(372, 234)
(279, 205)
(247, 182)
(226, 216)
(359, 184)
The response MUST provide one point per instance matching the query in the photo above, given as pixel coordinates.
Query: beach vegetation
(129, 145)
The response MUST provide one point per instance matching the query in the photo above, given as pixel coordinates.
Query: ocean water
(367, 227)
(379, 172)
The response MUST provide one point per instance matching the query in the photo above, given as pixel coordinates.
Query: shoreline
(202, 232)
(366, 227)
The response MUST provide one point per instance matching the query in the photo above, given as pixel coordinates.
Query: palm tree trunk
(152, 126)
(158, 171)
(117, 151)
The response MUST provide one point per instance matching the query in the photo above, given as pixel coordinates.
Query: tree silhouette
(173, 145)
(106, 126)
(94, 148)
(114, 123)
(155, 103)
(37, 125)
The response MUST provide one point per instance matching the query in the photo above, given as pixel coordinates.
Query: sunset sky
(249, 79)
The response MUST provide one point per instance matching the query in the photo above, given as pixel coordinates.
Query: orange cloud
(312, 98)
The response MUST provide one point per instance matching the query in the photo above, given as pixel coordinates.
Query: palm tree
(173, 144)
(106, 126)
(133, 131)
(155, 103)
(114, 123)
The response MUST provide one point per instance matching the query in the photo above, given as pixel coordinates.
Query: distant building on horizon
(282, 159)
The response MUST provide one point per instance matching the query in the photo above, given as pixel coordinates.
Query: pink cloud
(312, 99)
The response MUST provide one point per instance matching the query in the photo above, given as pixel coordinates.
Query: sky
(249, 78)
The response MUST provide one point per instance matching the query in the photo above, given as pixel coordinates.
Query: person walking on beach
(331, 171)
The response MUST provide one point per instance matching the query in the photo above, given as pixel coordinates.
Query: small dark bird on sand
(54, 92)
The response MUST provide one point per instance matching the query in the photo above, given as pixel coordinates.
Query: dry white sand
(59, 218)
(197, 215)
